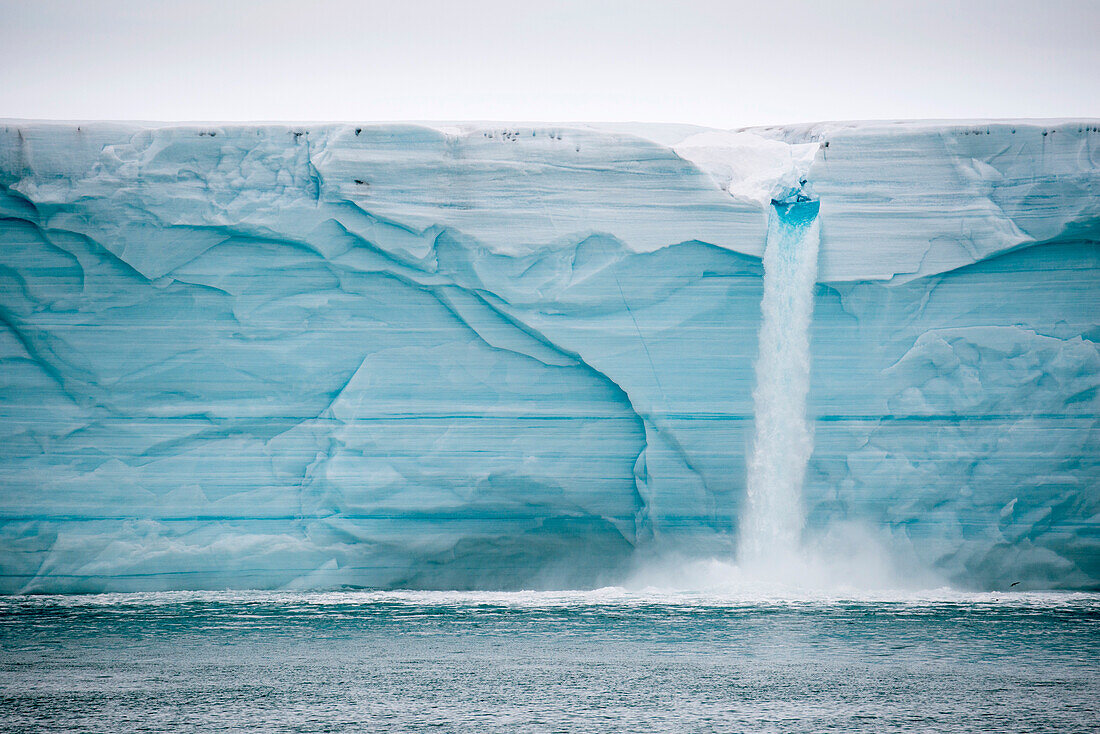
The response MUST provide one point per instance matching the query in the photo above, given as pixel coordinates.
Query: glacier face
(476, 356)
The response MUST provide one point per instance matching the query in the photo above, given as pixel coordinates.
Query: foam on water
(744, 597)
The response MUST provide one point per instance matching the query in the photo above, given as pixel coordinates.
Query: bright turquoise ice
(240, 356)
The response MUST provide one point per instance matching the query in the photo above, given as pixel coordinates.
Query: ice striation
(477, 356)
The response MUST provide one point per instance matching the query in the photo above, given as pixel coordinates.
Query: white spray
(771, 526)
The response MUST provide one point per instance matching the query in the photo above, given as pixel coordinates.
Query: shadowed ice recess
(535, 356)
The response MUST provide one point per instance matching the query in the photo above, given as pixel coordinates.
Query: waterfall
(772, 521)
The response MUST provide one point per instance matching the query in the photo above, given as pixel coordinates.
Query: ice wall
(489, 356)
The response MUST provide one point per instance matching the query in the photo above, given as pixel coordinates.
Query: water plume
(772, 522)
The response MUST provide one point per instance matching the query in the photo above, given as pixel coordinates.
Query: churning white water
(772, 522)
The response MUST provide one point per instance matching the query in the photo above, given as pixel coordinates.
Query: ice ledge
(900, 200)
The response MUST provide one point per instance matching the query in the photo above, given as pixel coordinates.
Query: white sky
(723, 64)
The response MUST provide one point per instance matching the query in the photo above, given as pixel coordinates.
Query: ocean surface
(607, 660)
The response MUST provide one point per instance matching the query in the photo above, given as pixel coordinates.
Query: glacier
(507, 356)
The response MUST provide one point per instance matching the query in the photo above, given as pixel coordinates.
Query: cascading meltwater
(771, 525)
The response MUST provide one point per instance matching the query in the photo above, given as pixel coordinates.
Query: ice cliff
(502, 356)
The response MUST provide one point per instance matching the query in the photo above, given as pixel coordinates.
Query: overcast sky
(723, 64)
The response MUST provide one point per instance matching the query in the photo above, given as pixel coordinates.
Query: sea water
(606, 660)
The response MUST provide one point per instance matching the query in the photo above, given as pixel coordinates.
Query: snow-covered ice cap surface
(748, 166)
